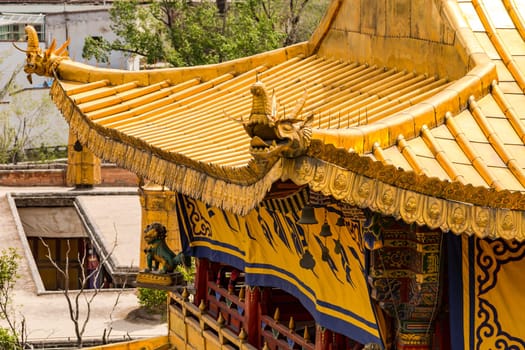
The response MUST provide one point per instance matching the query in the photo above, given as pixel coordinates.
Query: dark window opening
(82, 264)
(69, 249)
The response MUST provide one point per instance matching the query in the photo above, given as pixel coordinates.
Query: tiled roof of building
(191, 116)
(49, 7)
(455, 133)
(483, 145)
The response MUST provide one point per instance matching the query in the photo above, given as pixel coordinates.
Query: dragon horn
(52, 46)
(275, 106)
(300, 104)
(62, 49)
(232, 119)
(16, 47)
(32, 38)
(309, 119)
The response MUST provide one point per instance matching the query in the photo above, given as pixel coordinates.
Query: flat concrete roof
(116, 222)
(46, 315)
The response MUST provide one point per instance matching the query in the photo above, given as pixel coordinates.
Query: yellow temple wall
(83, 167)
(424, 36)
(157, 343)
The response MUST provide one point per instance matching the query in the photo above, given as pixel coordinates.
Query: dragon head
(41, 62)
(273, 136)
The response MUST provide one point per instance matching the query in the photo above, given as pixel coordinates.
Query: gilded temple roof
(191, 117)
(482, 145)
(427, 103)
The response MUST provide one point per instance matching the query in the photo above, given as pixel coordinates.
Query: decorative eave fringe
(233, 189)
(449, 206)
(409, 180)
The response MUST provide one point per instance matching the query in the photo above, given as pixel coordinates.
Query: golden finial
(306, 335)
(220, 320)
(277, 315)
(202, 306)
(291, 324)
(243, 335)
(266, 347)
(185, 294)
(242, 293)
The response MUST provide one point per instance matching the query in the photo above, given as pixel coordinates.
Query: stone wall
(55, 175)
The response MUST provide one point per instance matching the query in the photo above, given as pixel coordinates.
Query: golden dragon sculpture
(272, 136)
(41, 62)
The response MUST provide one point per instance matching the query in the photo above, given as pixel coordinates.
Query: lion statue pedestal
(150, 279)
(161, 261)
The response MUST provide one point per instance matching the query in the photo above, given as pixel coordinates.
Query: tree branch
(74, 303)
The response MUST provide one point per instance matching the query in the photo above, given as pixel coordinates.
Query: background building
(60, 21)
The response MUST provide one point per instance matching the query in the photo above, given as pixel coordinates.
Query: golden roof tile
(414, 161)
(516, 15)
(441, 156)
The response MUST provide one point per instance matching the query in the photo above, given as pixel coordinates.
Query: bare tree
(295, 11)
(109, 327)
(24, 124)
(77, 298)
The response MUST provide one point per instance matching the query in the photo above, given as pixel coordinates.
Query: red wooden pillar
(265, 297)
(201, 280)
(323, 338)
(252, 315)
(338, 341)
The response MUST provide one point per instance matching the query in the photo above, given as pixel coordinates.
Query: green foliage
(96, 47)
(252, 29)
(7, 340)
(188, 272)
(308, 20)
(185, 33)
(9, 260)
(153, 300)
(9, 337)
(24, 124)
(138, 30)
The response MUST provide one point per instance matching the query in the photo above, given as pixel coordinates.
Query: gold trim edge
(408, 180)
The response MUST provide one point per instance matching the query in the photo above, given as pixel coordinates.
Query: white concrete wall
(78, 26)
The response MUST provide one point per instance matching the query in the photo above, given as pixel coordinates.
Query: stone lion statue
(159, 257)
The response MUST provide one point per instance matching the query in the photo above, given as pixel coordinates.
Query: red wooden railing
(228, 307)
(276, 336)
(225, 303)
